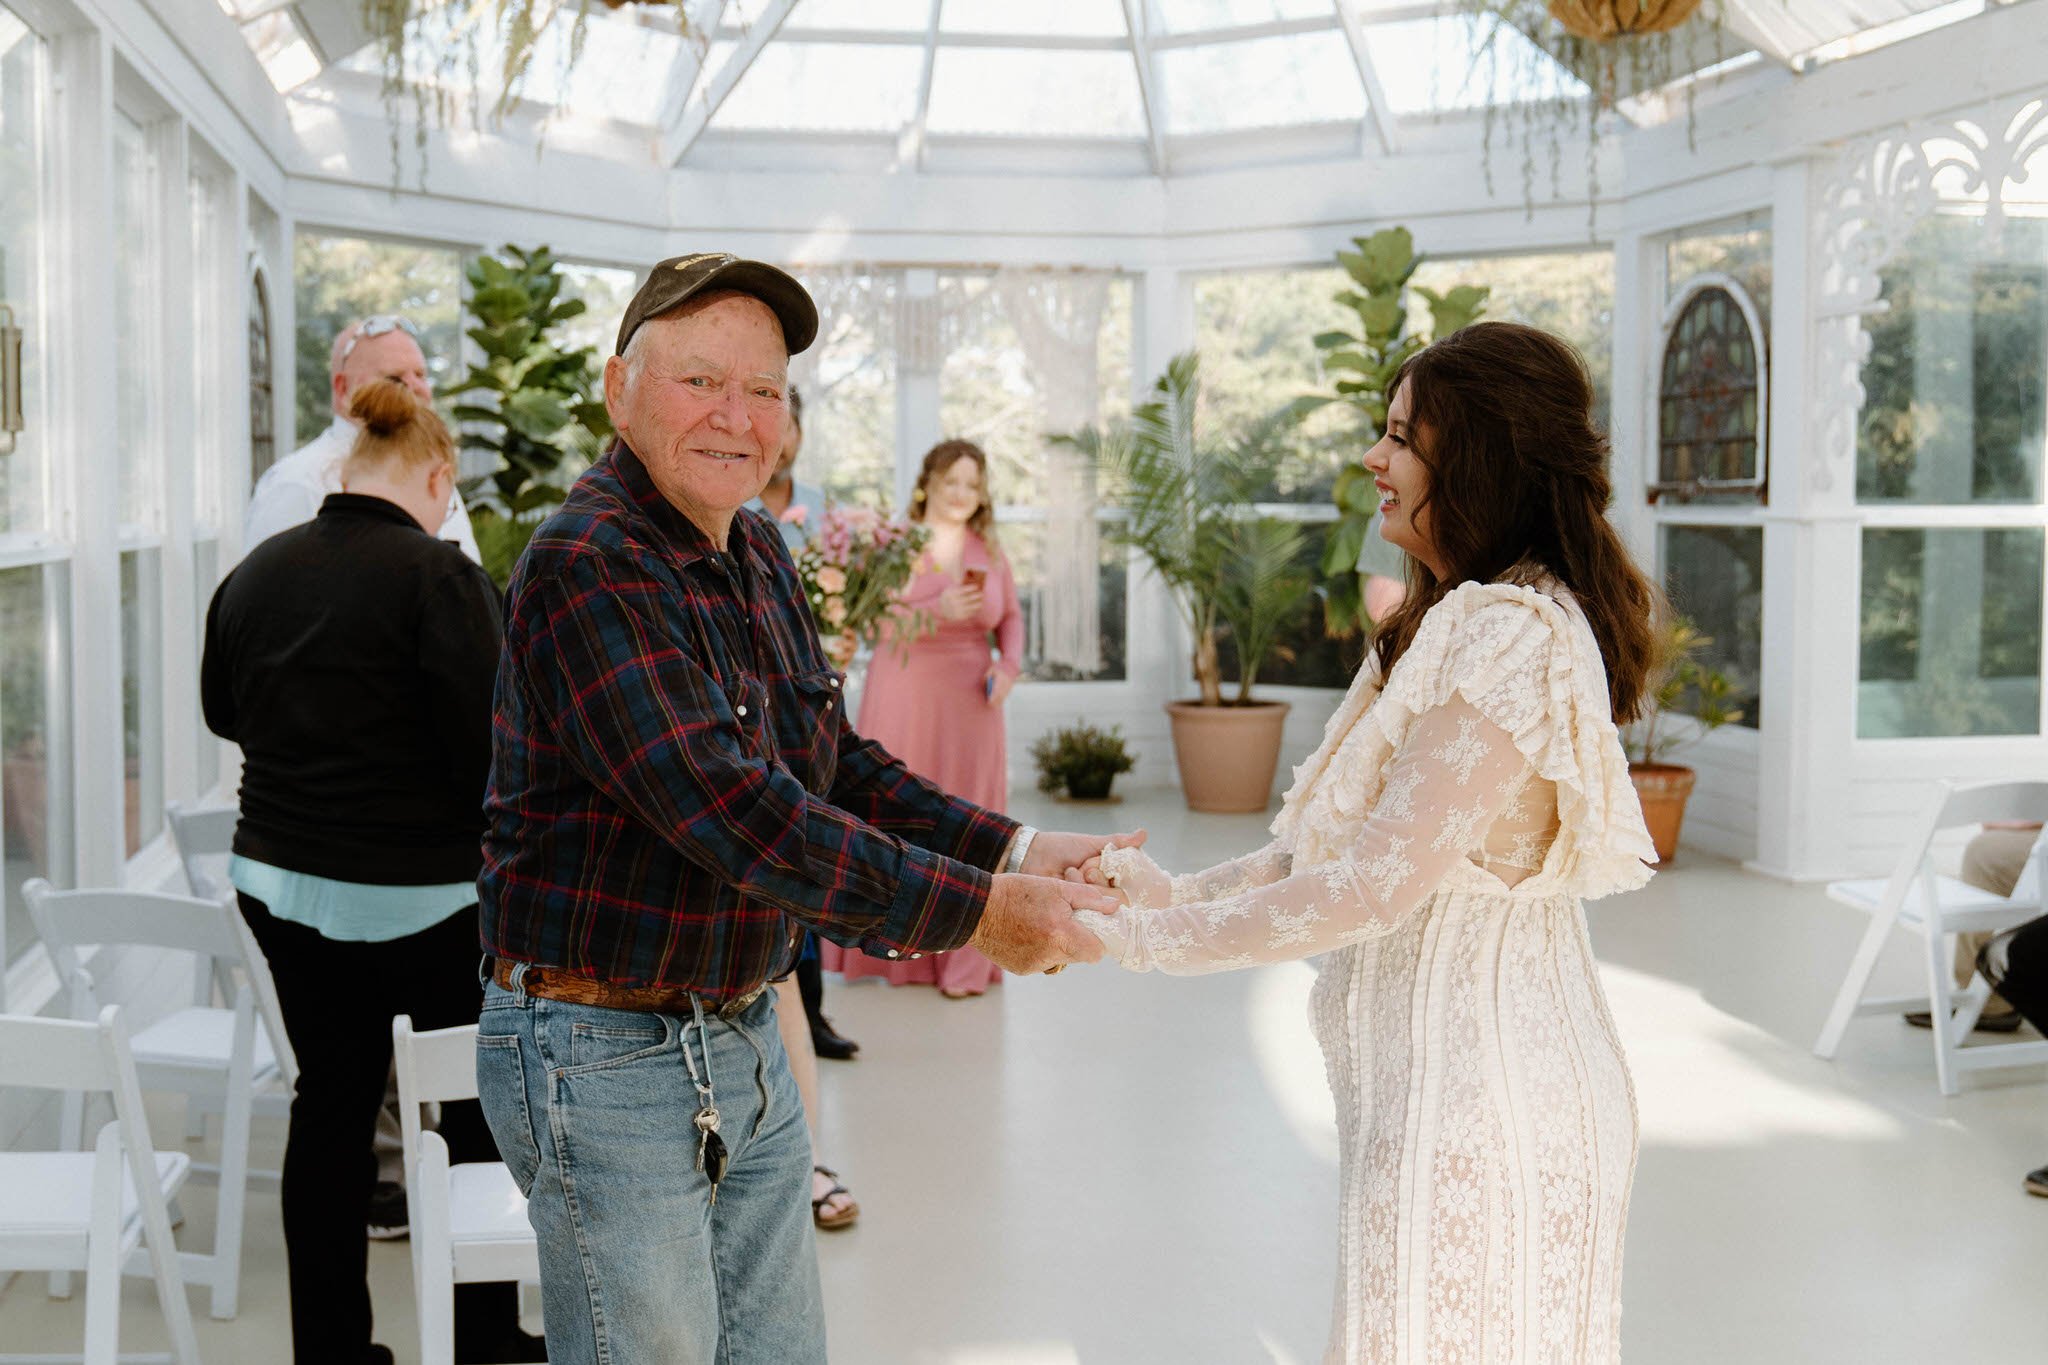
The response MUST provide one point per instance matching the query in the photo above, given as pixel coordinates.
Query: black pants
(2025, 984)
(339, 999)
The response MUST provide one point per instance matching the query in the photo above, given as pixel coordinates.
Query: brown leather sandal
(845, 1217)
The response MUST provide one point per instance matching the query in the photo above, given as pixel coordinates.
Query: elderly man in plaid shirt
(675, 793)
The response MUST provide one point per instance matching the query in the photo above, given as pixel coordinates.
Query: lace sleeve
(1444, 788)
(1260, 868)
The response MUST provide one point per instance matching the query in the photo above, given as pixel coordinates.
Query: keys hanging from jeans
(712, 1155)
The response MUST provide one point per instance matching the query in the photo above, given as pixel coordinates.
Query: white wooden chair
(102, 1212)
(1937, 907)
(469, 1222)
(202, 1050)
(204, 837)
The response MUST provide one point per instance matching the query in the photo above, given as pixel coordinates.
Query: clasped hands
(1029, 925)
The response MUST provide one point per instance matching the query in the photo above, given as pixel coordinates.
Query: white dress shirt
(291, 491)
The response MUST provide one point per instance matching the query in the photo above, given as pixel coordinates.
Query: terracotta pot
(1663, 789)
(1227, 754)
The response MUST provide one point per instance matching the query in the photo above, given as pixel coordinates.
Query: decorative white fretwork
(1984, 161)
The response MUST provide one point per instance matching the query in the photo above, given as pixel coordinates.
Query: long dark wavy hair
(1501, 417)
(937, 461)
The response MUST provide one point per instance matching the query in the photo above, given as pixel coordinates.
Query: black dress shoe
(2000, 1021)
(827, 1041)
(388, 1220)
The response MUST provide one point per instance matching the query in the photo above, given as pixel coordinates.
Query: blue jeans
(593, 1109)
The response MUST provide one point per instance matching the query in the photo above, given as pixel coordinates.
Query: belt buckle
(733, 1009)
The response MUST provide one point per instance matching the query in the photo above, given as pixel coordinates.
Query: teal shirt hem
(351, 912)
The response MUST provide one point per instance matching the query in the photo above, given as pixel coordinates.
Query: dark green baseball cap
(678, 279)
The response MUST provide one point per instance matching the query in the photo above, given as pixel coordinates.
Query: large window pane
(1715, 577)
(1958, 368)
(1023, 542)
(848, 380)
(338, 280)
(1254, 331)
(1303, 655)
(138, 372)
(35, 741)
(142, 696)
(22, 473)
(1951, 633)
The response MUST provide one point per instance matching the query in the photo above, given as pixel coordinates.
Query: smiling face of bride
(1402, 478)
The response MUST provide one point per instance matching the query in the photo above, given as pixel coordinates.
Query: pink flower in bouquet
(835, 611)
(832, 579)
(794, 514)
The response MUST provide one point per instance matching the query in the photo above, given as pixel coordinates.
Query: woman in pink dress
(938, 705)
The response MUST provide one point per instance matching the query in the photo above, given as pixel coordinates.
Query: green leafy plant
(1187, 503)
(1081, 760)
(1362, 363)
(542, 403)
(1684, 687)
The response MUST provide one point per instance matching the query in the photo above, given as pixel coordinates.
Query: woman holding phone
(937, 704)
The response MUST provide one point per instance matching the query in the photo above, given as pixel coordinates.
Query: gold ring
(1055, 971)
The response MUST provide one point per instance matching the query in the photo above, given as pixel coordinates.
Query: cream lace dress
(1436, 849)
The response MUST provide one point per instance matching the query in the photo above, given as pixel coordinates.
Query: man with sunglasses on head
(290, 492)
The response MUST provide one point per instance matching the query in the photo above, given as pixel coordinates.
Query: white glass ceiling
(1142, 73)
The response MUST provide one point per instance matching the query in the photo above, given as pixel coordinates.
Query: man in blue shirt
(784, 492)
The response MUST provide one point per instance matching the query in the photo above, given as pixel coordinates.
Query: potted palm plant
(1187, 503)
(1688, 689)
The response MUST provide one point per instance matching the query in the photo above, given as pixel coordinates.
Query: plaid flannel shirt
(673, 777)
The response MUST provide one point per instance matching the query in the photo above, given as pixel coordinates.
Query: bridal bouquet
(853, 565)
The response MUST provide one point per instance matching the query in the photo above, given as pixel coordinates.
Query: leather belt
(552, 983)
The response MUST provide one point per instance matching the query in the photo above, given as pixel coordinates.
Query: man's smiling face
(702, 397)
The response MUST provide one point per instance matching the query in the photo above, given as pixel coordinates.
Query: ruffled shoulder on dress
(1526, 659)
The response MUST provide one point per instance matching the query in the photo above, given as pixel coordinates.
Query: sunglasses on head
(377, 326)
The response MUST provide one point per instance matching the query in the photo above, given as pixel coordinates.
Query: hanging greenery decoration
(421, 69)
(1616, 48)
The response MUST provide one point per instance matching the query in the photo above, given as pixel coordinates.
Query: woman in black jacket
(352, 659)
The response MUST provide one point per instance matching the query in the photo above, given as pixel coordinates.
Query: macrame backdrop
(1058, 318)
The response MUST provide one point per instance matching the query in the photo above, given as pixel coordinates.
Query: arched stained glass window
(262, 408)
(1712, 394)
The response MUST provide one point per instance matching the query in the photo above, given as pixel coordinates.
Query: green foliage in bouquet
(1187, 500)
(1363, 362)
(532, 405)
(1081, 760)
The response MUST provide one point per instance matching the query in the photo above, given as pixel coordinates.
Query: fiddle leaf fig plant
(1361, 361)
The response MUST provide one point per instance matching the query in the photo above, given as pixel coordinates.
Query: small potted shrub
(1081, 760)
(1685, 688)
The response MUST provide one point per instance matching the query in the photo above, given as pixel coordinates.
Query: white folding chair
(469, 1222)
(102, 1212)
(204, 837)
(1937, 908)
(198, 1050)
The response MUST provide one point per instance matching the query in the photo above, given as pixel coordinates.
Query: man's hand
(1052, 854)
(1029, 923)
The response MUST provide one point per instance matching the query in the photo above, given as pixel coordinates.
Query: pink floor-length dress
(926, 706)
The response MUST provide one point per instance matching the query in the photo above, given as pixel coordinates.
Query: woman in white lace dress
(1468, 794)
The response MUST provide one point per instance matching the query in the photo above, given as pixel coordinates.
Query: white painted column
(179, 266)
(1638, 306)
(1812, 564)
(85, 463)
(918, 357)
(1158, 644)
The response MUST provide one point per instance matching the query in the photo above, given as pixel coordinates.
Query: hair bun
(385, 408)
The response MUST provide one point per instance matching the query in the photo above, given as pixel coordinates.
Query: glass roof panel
(288, 59)
(824, 87)
(1193, 16)
(1021, 92)
(1441, 65)
(622, 74)
(1260, 83)
(1088, 18)
(892, 16)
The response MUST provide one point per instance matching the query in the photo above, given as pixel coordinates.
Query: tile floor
(1124, 1170)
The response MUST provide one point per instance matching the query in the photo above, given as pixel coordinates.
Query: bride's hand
(1131, 871)
(1090, 874)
